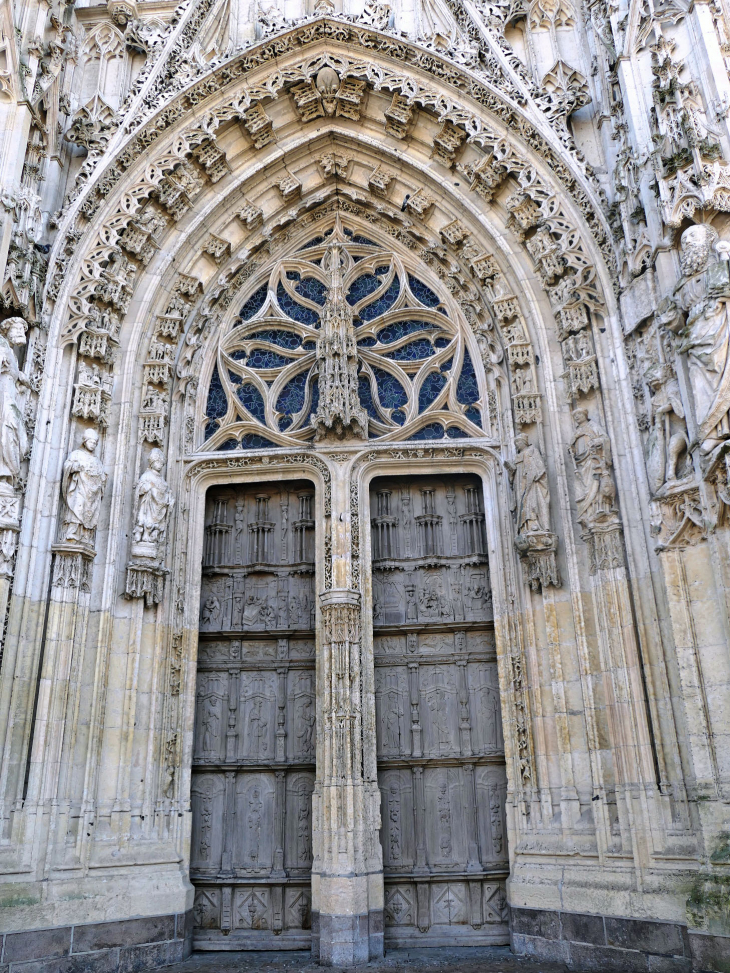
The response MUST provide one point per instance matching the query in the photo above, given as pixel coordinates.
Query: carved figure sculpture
(83, 485)
(532, 494)
(704, 294)
(13, 435)
(154, 502)
(665, 444)
(591, 451)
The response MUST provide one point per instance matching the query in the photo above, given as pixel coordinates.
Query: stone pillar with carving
(347, 879)
(83, 484)
(632, 775)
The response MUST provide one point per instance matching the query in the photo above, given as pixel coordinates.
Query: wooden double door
(441, 767)
(440, 749)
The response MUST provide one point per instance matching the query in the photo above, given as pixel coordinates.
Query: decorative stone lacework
(372, 73)
(412, 366)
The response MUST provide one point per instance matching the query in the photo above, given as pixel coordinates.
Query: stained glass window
(366, 397)
(312, 289)
(266, 358)
(391, 393)
(284, 339)
(254, 304)
(467, 389)
(434, 430)
(413, 351)
(293, 310)
(291, 398)
(422, 293)
(362, 287)
(251, 399)
(383, 303)
(399, 329)
(400, 334)
(433, 383)
(217, 405)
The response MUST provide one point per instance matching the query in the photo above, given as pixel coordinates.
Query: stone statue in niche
(82, 486)
(154, 503)
(13, 434)
(532, 496)
(667, 436)
(703, 293)
(591, 451)
(535, 541)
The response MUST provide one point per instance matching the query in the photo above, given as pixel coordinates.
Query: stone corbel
(145, 580)
(537, 552)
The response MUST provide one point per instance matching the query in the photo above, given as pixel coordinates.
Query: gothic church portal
(364, 456)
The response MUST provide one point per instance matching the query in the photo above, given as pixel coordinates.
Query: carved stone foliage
(295, 364)
(438, 718)
(253, 754)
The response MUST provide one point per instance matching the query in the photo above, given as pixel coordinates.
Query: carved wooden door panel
(253, 758)
(441, 763)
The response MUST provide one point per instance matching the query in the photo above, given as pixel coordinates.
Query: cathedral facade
(364, 480)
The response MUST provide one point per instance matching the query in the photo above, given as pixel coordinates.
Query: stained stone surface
(475, 959)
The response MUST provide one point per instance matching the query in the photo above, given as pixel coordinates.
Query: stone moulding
(181, 103)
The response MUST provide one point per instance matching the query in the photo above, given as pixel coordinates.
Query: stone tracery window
(415, 376)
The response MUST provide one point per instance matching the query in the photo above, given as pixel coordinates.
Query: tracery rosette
(415, 369)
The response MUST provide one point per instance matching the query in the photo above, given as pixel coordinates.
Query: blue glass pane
(362, 287)
(284, 339)
(313, 243)
(391, 393)
(453, 432)
(210, 428)
(265, 358)
(399, 329)
(474, 415)
(433, 430)
(382, 271)
(367, 342)
(399, 416)
(227, 445)
(293, 310)
(315, 401)
(363, 241)
(442, 342)
(432, 385)
(252, 440)
(291, 398)
(309, 345)
(366, 397)
(384, 303)
(251, 399)
(254, 304)
(217, 404)
(312, 289)
(284, 423)
(238, 355)
(413, 351)
(447, 365)
(293, 275)
(422, 293)
(467, 391)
